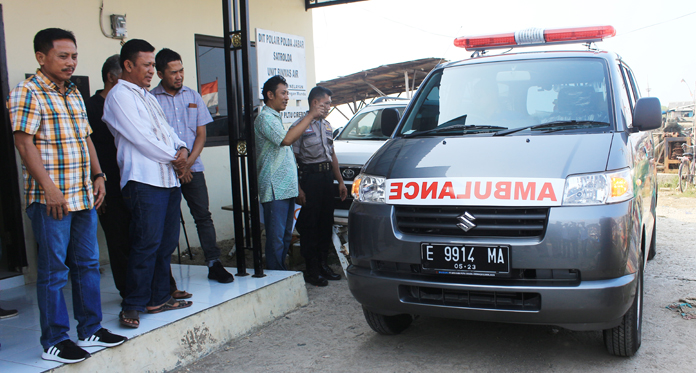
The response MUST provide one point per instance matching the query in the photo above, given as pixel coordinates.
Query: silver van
(518, 187)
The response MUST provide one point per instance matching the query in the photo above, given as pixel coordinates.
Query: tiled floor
(19, 336)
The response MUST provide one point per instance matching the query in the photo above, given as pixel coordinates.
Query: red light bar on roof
(535, 36)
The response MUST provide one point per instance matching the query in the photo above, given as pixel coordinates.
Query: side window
(633, 83)
(626, 95)
(428, 105)
(364, 125)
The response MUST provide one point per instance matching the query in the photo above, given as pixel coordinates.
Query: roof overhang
(380, 81)
(309, 4)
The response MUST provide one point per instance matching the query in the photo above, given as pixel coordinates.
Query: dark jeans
(196, 194)
(66, 245)
(316, 216)
(154, 234)
(277, 218)
(115, 222)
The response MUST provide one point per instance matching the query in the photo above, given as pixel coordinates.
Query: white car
(357, 141)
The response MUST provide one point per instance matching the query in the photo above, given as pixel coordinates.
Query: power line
(656, 24)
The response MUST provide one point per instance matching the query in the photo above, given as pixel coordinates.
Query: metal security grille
(471, 299)
(489, 221)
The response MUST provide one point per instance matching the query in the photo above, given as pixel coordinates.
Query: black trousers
(115, 222)
(316, 217)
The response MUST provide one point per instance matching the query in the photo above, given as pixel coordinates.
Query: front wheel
(387, 325)
(624, 340)
(684, 175)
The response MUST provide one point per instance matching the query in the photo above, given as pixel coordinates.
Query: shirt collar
(131, 85)
(69, 86)
(159, 90)
(271, 110)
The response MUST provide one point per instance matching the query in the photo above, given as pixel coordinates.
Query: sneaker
(7, 313)
(65, 352)
(102, 338)
(219, 273)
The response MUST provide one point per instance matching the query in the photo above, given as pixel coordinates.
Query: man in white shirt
(151, 158)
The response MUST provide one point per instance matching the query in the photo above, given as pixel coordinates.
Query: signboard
(282, 54)
(292, 113)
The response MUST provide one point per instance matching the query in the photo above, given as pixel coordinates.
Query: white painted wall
(164, 23)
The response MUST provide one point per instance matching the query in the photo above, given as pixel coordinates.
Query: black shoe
(219, 273)
(102, 338)
(7, 313)
(316, 280)
(328, 273)
(65, 352)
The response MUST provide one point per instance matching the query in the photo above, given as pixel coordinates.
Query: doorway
(13, 254)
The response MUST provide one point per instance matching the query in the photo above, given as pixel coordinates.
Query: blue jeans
(196, 194)
(66, 245)
(277, 217)
(154, 234)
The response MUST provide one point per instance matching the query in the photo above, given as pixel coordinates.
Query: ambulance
(517, 187)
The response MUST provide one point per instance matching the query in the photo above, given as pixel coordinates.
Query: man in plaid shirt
(63, 185)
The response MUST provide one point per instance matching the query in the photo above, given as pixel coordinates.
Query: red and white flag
(209, 92)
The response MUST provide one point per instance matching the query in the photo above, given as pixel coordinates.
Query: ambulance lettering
(458, 189)
(414, 187)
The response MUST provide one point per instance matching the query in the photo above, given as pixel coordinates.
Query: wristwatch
(101, 174)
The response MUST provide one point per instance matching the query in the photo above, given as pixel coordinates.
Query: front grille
(471, 299)
(489, 221)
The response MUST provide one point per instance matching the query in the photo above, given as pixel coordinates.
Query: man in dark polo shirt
(113, 214)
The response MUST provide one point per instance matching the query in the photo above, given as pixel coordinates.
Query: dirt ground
(331, 335)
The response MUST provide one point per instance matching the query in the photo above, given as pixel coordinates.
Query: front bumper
(592, 305)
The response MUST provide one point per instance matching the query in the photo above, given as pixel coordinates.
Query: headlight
(368, 188)
(598, 189)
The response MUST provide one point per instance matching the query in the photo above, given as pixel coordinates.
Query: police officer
(318, 167)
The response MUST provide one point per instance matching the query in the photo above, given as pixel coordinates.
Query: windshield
(366, 125)
(491, 97)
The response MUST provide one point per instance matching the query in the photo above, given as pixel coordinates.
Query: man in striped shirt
(63, 185)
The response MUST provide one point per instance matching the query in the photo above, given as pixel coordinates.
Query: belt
(316, 167)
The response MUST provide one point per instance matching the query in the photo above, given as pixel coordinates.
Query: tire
(624, 340)
(652, 251)
(387, 325)
(683, 171)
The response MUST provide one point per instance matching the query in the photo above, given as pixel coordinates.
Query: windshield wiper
(562, 124)
(462, 127)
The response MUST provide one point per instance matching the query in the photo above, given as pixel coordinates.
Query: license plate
(465, 259)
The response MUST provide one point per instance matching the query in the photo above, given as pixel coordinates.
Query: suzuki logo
(466, 221)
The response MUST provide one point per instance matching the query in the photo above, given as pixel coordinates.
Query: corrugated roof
(388, 79)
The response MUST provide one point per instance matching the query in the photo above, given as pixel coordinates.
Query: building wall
(164, 23)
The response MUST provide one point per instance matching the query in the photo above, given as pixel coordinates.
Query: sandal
(181, 294)
(170, 305)
(129, 318)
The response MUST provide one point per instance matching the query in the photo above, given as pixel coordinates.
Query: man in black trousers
(318, 168)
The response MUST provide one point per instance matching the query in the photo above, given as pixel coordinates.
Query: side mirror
(336, 132)
(389, 121)
(647, 115)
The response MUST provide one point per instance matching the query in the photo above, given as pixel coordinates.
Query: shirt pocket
(311, 140)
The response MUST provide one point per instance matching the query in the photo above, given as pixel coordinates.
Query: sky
(657, 39)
